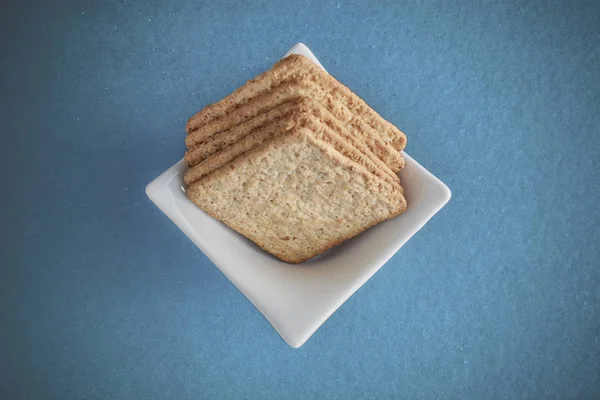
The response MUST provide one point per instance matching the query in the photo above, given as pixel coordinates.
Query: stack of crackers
(295, 161)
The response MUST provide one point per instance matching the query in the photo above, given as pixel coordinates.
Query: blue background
(498, 297)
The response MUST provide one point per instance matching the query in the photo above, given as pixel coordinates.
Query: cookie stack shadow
(295, 161)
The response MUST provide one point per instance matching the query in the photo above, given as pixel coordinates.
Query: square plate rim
(296, 340)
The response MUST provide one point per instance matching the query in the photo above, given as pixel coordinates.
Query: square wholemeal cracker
(296, 196)
(222, 140)
(300, 67)
(288, 91)
(298, 115)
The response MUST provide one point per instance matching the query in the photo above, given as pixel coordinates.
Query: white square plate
(296, 300)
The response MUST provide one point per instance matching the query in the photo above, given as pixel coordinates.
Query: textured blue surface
(498, 297)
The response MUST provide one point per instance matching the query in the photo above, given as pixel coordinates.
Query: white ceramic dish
(297, 300)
